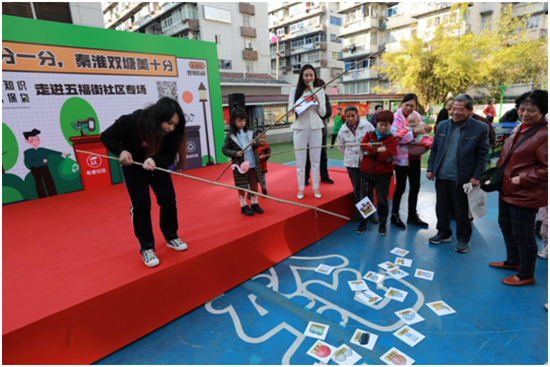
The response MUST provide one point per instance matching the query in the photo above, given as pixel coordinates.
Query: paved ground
(262, 321)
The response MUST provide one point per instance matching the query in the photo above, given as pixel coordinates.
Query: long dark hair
(237, 113)
(149, 122)
(301, 85)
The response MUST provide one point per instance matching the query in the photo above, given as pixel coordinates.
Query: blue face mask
(379, 135)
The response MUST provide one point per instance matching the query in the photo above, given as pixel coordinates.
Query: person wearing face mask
(407, 165)
(308, 127)
(524, 187)
(459, 155)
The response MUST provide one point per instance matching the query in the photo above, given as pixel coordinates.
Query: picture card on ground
(345, 355)
(396, 357)
(364, 339)
(396, 294)
(316, 330)
(409, 316)
(366, 207)
(399, 252)
(369, 297)
(424, 274)
(397, 273)
(324, 269)
(399, 261)
(358, 285)
(387, 266)
(371, 276)
(440, 308)
(321, 351)
(408, 335)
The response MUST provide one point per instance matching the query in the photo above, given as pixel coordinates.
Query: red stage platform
(75, 288)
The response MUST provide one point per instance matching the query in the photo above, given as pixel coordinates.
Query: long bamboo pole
(224, 185)
(322, 146)
(302, 101)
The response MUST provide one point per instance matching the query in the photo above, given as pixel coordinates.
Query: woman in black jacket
(152, 136)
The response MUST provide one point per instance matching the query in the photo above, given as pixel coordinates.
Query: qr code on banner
(167, 89)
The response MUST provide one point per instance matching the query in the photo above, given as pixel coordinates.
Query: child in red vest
(377, 165)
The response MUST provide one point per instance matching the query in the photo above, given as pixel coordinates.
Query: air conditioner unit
(345, 25)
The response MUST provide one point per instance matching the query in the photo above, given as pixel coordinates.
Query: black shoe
(327, 181)
(415, 219)
(439, 238)
(396, 221)
(362, 227)
(462, 247)
(247, 211)
(307, 183)
(264, 191)
(382, 230)
(256, 209)
(373, 219)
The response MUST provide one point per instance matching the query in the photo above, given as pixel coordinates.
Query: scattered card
(371, 276)
(399, 261)
(409, 316)
(316, 330)
(321, 351)
(365, 207)
(397, 273)
(399, 252)
(424, 274)
(440, 308)
(396, 294)
(409, 335)
(364, 339)
(369, 297)
(358, 285)
(387, 266)
(395, 357)
(324, 269)
(345, 355)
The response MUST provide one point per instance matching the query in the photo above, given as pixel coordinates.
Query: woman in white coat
(307, 127)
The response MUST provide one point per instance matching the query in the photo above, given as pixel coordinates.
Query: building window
(280, 32)
(225, 64)
(297, 43)
(247, 21)
(486, 21)
(335, 55)
(393, 10)
(249, 67)
(413, 32)
(534, 22)
(248, 43)
(218, 39)
(336, 21)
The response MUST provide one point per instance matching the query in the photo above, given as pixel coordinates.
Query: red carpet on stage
(75, 288)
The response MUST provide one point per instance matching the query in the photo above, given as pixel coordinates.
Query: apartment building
(305, 33)
(79, 13)
(369, 27)
(238, 28)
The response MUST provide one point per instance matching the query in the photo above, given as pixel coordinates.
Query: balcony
(394, 47)
(422, 8)
(272, 6)
(399, 20)
(360, 25)
(361, 74)
(250, 55)
(347, 5)
(247, 8)
(181, 26)
(521, 9)
(358, 50)
(309, 47)
(141, 21)
(248, 32)
(320, 9)
(307, 30)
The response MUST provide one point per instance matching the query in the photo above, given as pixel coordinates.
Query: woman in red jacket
(524, 188)
(490, 111)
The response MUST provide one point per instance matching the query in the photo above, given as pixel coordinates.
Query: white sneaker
(543, 253)
(300, 195)
(317, 194)
(150, 258)
(177, 244)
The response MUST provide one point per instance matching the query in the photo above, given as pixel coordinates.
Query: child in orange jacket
(264, 152)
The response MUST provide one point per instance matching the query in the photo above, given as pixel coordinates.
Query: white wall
(88, 14)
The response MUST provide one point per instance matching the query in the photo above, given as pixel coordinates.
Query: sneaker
(247, 211)
(382, 230)
(150, 258)
(177, 244)
(317, 194)
(264, 191)
(415, 219)
(327, 181)
(300, 195)
(256, 209)
(362, 227)
(543, 254)
(396, 221)
(462, 247)
(439, 238)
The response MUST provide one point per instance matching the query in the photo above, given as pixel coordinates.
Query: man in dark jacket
(459, 155)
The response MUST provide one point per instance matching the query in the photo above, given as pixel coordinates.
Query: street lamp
(202, 94)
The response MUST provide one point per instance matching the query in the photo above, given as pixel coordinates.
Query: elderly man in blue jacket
(459, 155)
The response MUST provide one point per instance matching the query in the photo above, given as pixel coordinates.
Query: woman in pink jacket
(406, 165)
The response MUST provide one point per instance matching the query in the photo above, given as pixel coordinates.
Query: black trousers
(516, 224)
(323, 164)
(137, 182)
(382, 185)
(42, 176)
(334, 136)
(358, 186)
(449, 193)
(401, 173)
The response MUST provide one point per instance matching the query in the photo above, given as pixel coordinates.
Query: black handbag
(491, 179)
